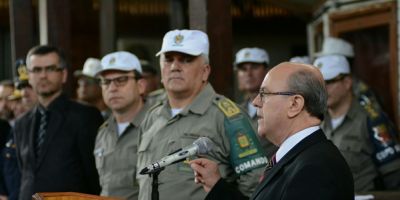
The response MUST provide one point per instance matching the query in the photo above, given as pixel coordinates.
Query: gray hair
(206, 58)
(313, 91)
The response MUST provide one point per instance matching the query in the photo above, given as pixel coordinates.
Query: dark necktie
(270, 164)
(41, 131)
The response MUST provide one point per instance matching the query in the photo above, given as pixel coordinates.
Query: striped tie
(270, 164)
(41, 132)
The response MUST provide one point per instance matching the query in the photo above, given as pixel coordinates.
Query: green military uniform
(354, 140)
(238, 153)
(268, 147)
(116, 157)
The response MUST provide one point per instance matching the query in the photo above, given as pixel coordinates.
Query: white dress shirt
(291, 141)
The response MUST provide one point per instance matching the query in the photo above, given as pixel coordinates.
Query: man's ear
(141, 86)
(296, 106)
(348, 81)
(65, 75)
(206, 72)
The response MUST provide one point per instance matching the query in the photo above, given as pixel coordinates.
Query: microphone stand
(154, 184)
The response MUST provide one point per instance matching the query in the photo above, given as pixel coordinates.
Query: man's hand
(2, 197)
(205, 172)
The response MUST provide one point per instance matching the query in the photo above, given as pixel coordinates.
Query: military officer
(365, 137)
(116, 143)
(89, 91)
(193, 109)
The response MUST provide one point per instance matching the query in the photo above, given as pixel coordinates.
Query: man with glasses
(193, 109)
(371, 150)
(55, 139)
(116, 144)
(251, 65)
(290, 107)
(89, 90)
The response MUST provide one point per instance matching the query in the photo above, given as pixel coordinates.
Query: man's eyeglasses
(47, 69)
(265, 94)
(336, 79)
(119, 81)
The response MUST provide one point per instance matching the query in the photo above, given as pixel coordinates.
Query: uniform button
(8, 155)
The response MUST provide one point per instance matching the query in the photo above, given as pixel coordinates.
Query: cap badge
(112, 61)
(319, 65)
(178, 39)
(247, 54)
(243, 140)
(22, 72)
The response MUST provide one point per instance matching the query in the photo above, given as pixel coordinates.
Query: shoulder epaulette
(228, 107)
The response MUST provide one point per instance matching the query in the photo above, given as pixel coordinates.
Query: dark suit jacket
(66, 162)
(313, 169)
(4, 132)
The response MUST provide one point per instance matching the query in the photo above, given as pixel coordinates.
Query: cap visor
(184, 51)
(113, 68)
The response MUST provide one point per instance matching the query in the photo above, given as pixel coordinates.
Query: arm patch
(246, 151)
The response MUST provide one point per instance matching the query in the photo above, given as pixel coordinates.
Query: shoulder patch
(228, 107)
(246, 152)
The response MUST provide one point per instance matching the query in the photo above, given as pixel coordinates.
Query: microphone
(200, 146)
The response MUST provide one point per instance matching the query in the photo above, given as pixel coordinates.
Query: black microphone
(200, 146)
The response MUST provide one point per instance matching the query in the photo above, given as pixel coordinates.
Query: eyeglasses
(119, 81)
(47, 69)
(265, 94)
(336, 79)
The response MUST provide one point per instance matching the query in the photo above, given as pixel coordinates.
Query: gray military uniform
(162, 134)
(116, 157)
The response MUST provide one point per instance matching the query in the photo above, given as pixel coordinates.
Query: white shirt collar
(291, 141)
(252, 110)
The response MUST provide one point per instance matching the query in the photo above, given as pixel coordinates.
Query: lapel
(56, 120)
(31, 127)
(315, 137)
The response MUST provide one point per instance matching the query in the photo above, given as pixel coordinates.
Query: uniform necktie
(270, 164)
(41, 132)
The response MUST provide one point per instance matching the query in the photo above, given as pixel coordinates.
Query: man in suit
(290, 107)
(55, 139)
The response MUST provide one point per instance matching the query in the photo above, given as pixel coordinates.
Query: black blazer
(314, 169)
(66, 163)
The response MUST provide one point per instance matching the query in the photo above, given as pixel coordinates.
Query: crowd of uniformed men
(122, 121)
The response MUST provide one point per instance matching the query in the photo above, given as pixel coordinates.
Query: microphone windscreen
(204, 145)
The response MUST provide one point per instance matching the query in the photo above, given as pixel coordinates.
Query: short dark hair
(138, 75)
(46, 49)
(308, 85)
